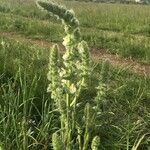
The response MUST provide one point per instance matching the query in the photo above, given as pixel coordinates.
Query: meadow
(28, 114)
(119, 29)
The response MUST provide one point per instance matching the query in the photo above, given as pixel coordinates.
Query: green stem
(68, 137)
(79, 138)
(86, 140)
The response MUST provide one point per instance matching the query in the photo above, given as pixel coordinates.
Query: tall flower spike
(105, 71)
(84, 52)
(75, 62)
(100, 99)
(95, 143)
(67, 81)
(57, 142)
(67, 16)
(53, 74)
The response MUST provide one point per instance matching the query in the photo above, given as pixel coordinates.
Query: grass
(126, 45)
(119, 17)
(27, 113)
(128, 23)
(23, 95)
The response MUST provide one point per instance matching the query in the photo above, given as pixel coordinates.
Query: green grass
(23, 97)
(112, 17)
(126, 18)
(119, 29)
(126, 45)
(27, 113)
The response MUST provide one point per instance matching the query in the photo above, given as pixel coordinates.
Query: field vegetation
(119, 29)
(116, 97)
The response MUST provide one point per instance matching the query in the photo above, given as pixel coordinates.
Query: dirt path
(117, 61)
(97, 55)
